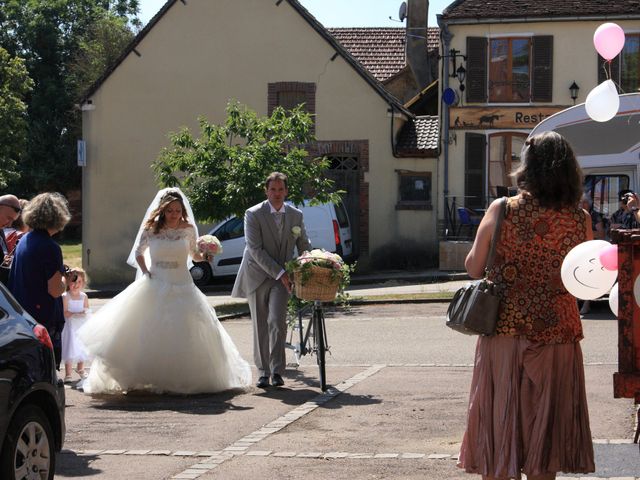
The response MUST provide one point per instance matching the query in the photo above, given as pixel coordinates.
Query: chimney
(416, 45)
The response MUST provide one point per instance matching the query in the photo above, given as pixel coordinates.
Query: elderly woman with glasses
(37, 273)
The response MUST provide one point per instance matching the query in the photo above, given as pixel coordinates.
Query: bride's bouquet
(209, 245)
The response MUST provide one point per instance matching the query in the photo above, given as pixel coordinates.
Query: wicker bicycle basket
(320, 285)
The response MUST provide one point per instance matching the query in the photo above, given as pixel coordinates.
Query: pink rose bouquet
(209, 245)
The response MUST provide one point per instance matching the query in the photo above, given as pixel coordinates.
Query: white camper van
(608, 152)
(327, 227)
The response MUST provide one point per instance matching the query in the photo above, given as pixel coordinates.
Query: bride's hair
(157, 220)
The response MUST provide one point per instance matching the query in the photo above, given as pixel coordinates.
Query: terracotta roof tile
(419, 137)
(380, 49)
(539, 8)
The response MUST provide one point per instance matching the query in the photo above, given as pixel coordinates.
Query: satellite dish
(402, 13)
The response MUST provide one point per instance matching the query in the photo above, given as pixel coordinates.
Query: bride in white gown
(160, 334)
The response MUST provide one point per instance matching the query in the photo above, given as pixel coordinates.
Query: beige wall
(574, 56)
(574, 59)
(196, 58)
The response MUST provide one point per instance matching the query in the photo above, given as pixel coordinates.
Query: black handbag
(474, 307)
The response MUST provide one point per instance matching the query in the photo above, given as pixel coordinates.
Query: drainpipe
(394, 149)
(446, 37)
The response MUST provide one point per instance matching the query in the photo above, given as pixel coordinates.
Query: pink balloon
(608, 40)
(609, 257)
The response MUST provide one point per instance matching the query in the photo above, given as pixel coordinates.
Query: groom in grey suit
(271, 237)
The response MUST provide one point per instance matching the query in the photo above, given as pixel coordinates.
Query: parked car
(32, 398)
(327, 226)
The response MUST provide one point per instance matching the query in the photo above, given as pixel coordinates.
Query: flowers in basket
(209, 245)
(319, 275)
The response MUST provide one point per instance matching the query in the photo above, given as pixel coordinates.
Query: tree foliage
(223, 171)
(49, 35)
(15, 84)
(104, 43)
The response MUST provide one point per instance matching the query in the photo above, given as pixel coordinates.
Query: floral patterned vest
(534, 240)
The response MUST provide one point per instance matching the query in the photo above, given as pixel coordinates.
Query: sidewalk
(390, 282)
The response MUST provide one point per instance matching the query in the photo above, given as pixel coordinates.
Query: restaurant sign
(499, 117)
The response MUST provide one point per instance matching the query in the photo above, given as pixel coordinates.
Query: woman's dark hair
(157, 220)
(549, 171)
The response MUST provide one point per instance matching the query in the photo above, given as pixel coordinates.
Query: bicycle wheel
(319, 337)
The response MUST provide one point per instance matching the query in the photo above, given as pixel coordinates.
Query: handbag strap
(496, 234)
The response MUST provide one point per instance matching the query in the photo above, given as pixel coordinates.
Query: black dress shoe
(263, 382)
(277, 380)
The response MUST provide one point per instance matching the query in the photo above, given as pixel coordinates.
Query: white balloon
(603, 102)
(636, 290)
(613, 299)
(582, 273)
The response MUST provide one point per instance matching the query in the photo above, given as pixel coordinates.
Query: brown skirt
(527, 410)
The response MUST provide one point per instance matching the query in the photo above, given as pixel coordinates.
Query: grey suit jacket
(266, 252)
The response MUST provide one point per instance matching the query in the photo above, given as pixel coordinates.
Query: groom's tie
(279, 219)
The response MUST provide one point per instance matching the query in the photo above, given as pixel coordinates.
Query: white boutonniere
(296, 231)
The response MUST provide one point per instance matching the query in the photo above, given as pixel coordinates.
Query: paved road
(396, 410)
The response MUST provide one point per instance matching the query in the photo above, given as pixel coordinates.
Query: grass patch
(444, 296)
(72, 254)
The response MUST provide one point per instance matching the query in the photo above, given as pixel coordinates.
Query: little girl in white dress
(76, 311)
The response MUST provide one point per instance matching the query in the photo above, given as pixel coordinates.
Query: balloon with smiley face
(583, 274)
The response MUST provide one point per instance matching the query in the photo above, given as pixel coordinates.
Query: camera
(627, 197)
(70, 274)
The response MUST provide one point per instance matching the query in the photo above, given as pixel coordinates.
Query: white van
(608, 152)
(327, 227)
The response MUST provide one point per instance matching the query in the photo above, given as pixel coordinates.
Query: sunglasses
(15, 209)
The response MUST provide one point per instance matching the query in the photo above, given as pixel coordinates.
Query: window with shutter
(520, 69)
(289, 95)
(475, 164)
(476, 69)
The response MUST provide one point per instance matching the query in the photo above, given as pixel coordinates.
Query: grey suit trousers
(268, 305)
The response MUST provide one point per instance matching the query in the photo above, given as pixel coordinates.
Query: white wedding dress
(160, 334)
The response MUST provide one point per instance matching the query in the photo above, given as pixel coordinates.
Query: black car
(32, 398)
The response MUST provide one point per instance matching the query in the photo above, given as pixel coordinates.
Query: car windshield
(341, 215)
(12, 301)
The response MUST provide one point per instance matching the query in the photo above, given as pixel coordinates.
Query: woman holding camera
(37, 273)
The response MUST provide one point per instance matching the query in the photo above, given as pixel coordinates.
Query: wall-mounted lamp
(456, 72)
(461, 73)
(574, 91)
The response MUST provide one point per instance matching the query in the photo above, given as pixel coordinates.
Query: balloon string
(607, 71)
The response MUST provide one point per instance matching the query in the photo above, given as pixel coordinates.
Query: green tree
(223, 171)
(15, 84)
(49, 35)
(102, 46)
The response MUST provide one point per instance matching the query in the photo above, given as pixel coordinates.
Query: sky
(337, 13)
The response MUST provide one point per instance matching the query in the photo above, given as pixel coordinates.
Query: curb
(109, 291)
(352, 302)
